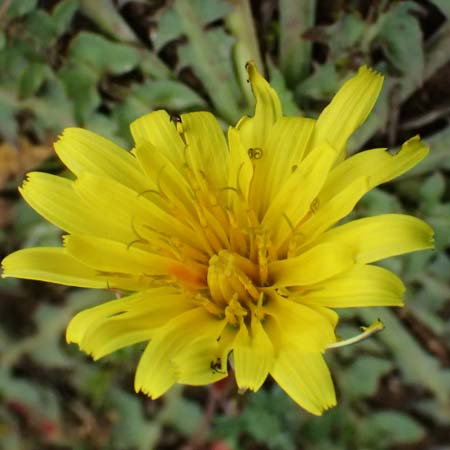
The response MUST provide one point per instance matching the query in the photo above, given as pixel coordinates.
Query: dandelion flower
(226, 250)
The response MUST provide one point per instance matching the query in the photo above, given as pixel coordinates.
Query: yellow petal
(364, 285)
(306, 378)
(51, 264)
(286, 147)
(56, 199)
(290, 205)
(84, 151)
(255, 130)
(279, 158)
(240, 171)
(303, 375)
(111, 256)
(308, 327)
(206, 151)
(136, 215)
(379, 237)
(334, 210)
(156, 371)
(348, 109)
(252, 356)
(55, 265)
(119, 323)
(171, 187)
(158, 129)
(204, 362)
(317, 264)
(378, 165)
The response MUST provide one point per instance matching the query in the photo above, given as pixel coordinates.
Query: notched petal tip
(140, 387)
(428, 235)
(349, 108)
(70, 133)
(3, 269)
(30, 179)
(369, 71)
(416, 145)
(10, 264)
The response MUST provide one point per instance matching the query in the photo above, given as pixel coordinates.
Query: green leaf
(92, 381)
(14, 59)
(210, 10)
(440, 267)
(105, 15)
(184, 415)
(208, 52)
(166, 94)
(441, 225)
(40, 403)
(209, 55)
(32, 79)
(278, 82)
(152, 66)
(439, 413)
(321, 431)
(261, 422)
(80, 82)
(439, 144)
(394, 427)
(295, 51)
(418, 262)
(361, 378)
(436, 50)
(41, 28)
(241, 24)
(170, 26)
(416, 364)
(269, 417)
(102, 124)
(402, 41)
(63, 13)
(378, 201)
(443, 6)
(8, 124)
(345, 35)
(20, 8)
(45, 345)
(321, 85)
(132, 429)
(52, 110)
(433, 188)
(103, 55)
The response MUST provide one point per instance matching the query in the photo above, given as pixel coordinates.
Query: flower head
(226, 249)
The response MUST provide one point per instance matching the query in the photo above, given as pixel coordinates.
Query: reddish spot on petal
(187, 276)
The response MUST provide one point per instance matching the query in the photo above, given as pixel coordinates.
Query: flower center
(234, 283)
(226, 270)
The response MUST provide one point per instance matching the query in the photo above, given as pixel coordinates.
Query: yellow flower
(228, 250)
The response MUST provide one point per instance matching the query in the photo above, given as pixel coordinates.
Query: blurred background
(100, 64)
